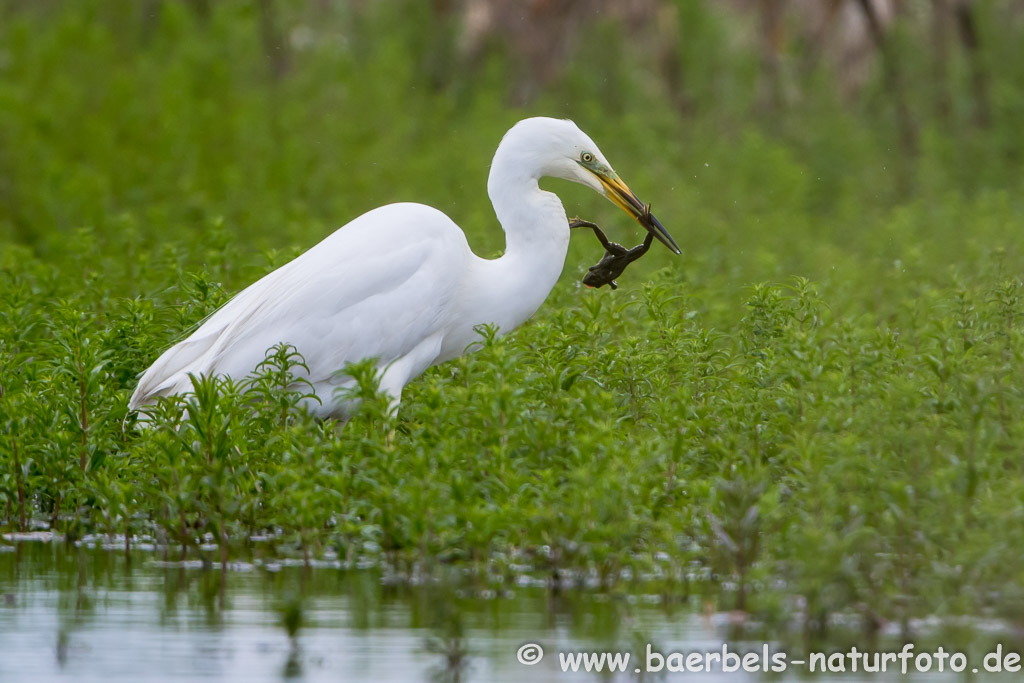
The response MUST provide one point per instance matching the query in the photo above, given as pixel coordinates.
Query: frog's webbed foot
(580, 223)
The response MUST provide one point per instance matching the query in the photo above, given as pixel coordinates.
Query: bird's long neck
(509, 289)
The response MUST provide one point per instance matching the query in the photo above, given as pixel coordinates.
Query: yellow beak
(620, 195)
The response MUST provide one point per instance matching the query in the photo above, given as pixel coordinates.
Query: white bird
(400, 283)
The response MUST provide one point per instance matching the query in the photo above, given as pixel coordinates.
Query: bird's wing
(374, 288)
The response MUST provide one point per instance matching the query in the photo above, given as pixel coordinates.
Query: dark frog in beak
(616, 256)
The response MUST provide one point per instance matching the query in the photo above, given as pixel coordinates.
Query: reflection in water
(447, 639)
(291, 619)
(62, 648)
(88, 615)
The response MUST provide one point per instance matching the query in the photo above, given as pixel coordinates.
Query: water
(86, 615)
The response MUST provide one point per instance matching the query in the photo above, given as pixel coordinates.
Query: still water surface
(78, 614)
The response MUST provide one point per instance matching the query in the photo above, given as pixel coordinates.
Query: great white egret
(400, 283)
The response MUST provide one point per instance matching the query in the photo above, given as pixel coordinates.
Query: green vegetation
(822, 397)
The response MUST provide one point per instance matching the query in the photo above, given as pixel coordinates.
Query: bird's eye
(587, 157)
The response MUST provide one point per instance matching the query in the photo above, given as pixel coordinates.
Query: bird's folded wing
(375, 288)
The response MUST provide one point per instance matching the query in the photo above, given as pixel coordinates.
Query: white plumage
(400, 283)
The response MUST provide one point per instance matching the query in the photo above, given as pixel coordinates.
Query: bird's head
(558, 148)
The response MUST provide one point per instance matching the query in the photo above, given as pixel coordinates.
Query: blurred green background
(776, 138)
